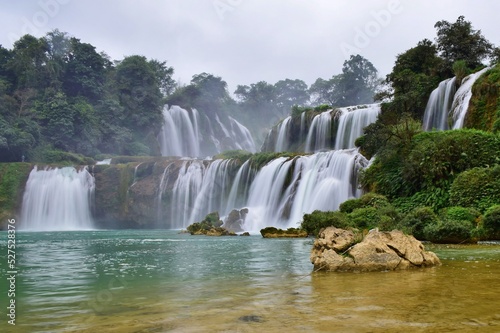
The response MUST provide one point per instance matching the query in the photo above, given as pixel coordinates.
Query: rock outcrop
(210, 226)
(272, 232)
(348, 251)
(235, 220)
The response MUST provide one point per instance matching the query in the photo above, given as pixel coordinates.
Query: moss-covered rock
(211, 225)
(272, 232)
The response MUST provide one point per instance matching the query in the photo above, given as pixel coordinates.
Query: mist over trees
(59, 96)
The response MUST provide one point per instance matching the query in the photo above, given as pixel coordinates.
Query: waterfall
(319, 181)
(446, 101)
(352, 121)
(242, 137)
(184, 134)
(58, 199)
(438, 106)
(318, 136)
(199, 189)
(462, 98)
(179, 134)
(283, 132)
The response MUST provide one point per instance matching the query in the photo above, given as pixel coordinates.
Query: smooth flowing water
(162, 281)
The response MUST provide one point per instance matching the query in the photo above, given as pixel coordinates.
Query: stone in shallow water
(338, 250)
(251, 318)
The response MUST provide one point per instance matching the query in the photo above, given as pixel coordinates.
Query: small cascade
(462, 98)
(318, 137)
(241, 136)
(438, 106)
(179, 134)
(283, 132)
(58, 199)
(352, 121)
(447, 107)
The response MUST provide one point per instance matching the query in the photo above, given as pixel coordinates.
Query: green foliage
(477, 188)
(436, 157)
(317, 220)
(416, 220)
(240, 155)
(461, 213)
(349, 205)
(460, 70)
(459, 41)
(47, 154)
(491, 222)
(364, 218)
(260, 159)
(13, 176)
(272, 232)
(356, 85)
(449, 231)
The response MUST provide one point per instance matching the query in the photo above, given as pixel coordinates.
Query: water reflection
(144, 281)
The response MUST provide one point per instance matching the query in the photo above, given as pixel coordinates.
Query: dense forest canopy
(60, 97)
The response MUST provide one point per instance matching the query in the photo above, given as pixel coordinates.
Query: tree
(85, 72)
(358, 82)
(289, 93)
(163, 75)
(459, 41)
(139, 94)
(326, 91)
(28, 62)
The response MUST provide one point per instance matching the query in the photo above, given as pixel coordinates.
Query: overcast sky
(246, 41)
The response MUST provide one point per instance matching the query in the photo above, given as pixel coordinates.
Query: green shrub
(461, 213)
(478, 188)
(449, 231)
(436, 157)
(349, 205)
(317, 220)
(416, 220)
(13, 177)
(365, 218)
(491, 222)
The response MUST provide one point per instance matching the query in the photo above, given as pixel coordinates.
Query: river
(163, 281)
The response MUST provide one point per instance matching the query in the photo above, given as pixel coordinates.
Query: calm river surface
(162, 281)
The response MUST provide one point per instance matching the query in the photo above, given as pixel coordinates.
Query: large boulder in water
(341, 250)
(235, 220)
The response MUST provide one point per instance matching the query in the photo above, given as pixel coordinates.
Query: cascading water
(241, 135)
(179, 134)
(446, 102)
(185, 134)
(462, 98)
(319, 133)
(278, 194)
(282, 140)
(199, 189)
(58, 199)
(352, 121)
(319, 181)
(438, 106)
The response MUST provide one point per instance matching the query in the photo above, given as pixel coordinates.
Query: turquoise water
(162, 281)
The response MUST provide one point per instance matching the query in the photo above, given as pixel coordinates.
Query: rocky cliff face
(340, 250)
(127, 195)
